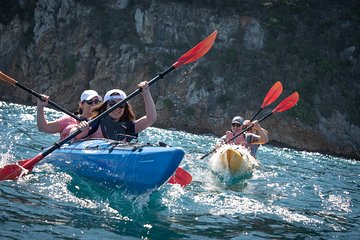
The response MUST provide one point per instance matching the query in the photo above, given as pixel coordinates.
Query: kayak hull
(235, 159)
(232, 159)
(137, 168)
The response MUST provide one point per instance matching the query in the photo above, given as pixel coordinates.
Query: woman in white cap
(63, 125)
(121, 124)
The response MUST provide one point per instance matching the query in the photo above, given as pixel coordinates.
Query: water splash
(6, 157)
(187, 72)
(247, 166)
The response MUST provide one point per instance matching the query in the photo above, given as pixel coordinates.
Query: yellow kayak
(234, 158)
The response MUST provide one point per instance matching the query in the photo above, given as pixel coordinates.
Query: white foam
(248, 166)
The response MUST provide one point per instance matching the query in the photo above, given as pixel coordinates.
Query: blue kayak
(136, 167)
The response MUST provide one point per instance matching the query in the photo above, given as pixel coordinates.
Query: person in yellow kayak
(248, 138)
(120, 124)
(63, 125)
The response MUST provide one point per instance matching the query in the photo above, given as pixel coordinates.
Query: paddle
(286, 104)
(181, 177)
(270, 97)
(16, 170)
(12, 81)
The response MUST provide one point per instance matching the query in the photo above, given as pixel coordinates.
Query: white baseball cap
(114, 94)
(89, 94)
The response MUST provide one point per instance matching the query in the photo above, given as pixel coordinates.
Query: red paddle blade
(181, 177)
(197, 52)
(273, 94)
(287, 103)
(16, 170)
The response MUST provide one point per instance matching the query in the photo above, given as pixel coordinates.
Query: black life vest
(118, 131)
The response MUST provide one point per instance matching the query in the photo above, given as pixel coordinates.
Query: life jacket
(118, 131)
(253, 147)
(240, 140)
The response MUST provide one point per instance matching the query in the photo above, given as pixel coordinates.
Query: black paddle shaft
(50, 102)
(258, 111)
(132, 95)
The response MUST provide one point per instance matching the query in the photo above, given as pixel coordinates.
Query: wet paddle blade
(181, 177)
(19, 169)
(287, 103)
(14, 171)
(197, 52)
(273, 94)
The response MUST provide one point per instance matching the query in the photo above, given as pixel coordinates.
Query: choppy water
(293, 194)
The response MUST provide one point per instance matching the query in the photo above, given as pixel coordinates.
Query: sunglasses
(236, 125)
(90, 102)
(112, 103)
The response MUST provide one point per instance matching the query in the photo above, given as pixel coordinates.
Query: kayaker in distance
(88, 99)
(247, 139)
(120, 124)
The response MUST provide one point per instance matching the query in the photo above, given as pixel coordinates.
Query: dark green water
(292, 195)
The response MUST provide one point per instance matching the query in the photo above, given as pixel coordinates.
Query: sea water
(291, 195)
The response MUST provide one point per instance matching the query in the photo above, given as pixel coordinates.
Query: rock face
(61, 48)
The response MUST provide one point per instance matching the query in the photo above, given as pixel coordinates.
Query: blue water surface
(291, 195)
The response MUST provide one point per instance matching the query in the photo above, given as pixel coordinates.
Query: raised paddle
(16, 170)
(286, 104)
(270, 97)
(12, 81)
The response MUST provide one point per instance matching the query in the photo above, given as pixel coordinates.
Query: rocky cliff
(63, 47)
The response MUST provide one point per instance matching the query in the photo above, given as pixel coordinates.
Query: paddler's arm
(83, 126)
(42, 124)
(261, 133)
(150, 117)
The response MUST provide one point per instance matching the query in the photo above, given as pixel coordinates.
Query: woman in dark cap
(247, 139)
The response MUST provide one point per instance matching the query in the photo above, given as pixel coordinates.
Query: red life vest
(240, 140)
